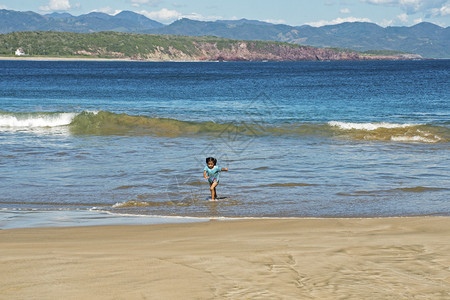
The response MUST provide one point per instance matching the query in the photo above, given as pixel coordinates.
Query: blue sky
(291, 12)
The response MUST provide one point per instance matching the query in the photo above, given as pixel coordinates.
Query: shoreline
(278, 258)
(23, 219)
(16, 219)
(43, 58)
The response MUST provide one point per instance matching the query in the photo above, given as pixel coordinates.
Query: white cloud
(386, 23)
(138, 3)
(344, 11)
(56, 5)
(443, 11)
(3, 7)
(107, 10)
(403, 18)
(379, 1)
(337, 21)
(164, 15)
(416, 6)
(199, 17)
(280, 21)
(167, 16)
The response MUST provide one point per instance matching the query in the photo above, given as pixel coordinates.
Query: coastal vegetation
(101, 44)
(155, 47)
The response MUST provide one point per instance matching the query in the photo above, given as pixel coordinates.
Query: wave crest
(109, 123)
(36, 120)
(367, 126)
(392, 132)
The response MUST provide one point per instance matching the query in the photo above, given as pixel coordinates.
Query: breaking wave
(423, 133)
(109, 123)
(35, 120)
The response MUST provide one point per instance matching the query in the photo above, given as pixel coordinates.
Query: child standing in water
(211, 172)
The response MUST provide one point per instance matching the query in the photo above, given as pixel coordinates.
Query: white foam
(94, 112)
(36, 120)
(119, 204)
(15, 218)
(415, 138)
(367, 126)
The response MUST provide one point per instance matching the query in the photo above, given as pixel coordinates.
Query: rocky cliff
(248, 51)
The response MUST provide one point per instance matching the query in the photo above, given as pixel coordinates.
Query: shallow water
(328, 139)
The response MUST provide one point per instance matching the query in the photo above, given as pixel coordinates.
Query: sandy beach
(384, 258)
(49, 58)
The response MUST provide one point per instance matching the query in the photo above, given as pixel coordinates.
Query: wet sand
(384, 258)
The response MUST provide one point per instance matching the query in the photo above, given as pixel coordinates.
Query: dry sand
(393, 258)
(49, 58)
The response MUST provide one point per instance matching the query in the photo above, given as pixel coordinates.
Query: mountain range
(426, 39)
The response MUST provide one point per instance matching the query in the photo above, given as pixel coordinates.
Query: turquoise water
(306, 139)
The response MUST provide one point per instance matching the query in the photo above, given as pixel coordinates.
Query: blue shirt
(213, 174)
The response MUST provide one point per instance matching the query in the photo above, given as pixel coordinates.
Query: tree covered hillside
(167, 47)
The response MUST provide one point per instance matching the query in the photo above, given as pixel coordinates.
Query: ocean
(300, 139)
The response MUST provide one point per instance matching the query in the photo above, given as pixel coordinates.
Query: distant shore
(379, 258)
(45, 58)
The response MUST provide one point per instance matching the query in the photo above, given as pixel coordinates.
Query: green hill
(167, 47)
(99, 45)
